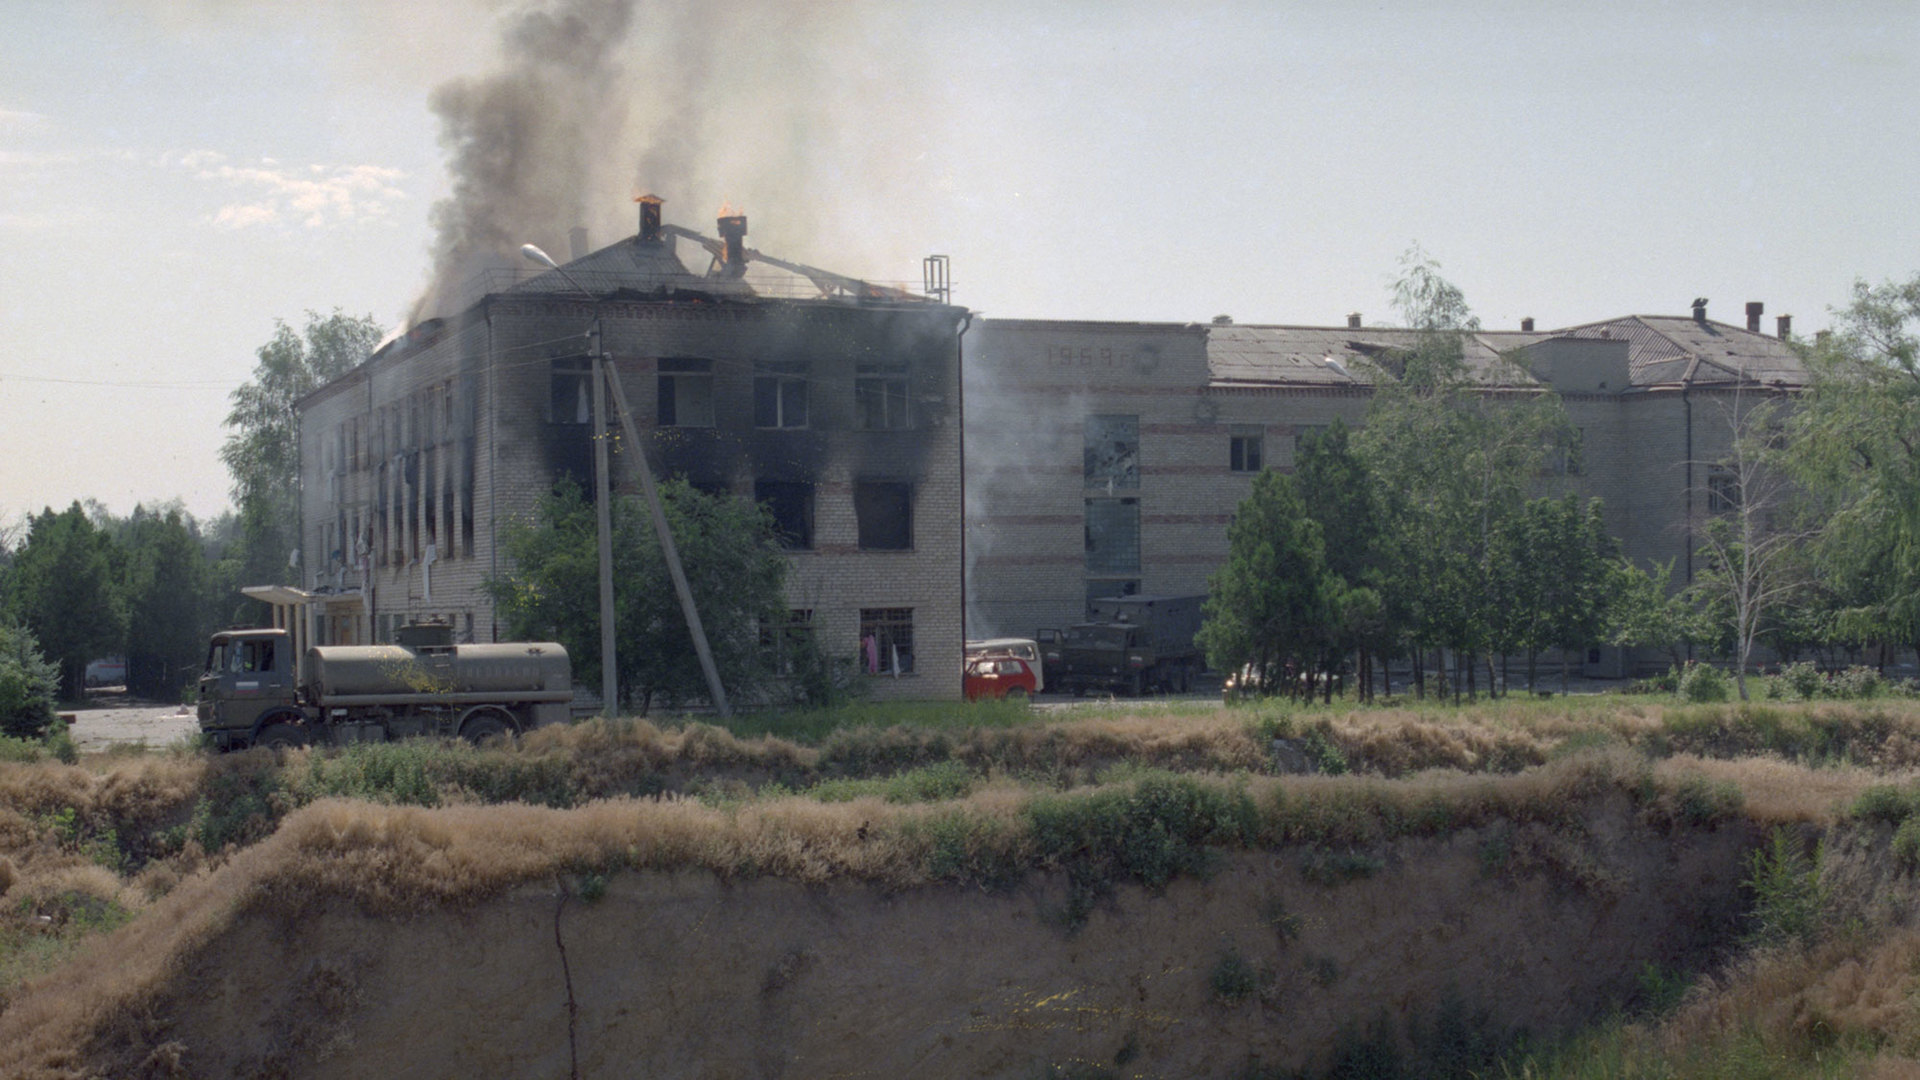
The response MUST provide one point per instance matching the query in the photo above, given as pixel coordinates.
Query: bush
(1802, 680)
(1857, 682)
(1789, 901)
(28, 683)
(1704, 683)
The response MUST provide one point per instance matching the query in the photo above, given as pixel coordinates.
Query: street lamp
(668, 549)
(603, 497)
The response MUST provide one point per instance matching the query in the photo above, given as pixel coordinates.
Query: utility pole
(603, 517)
(667, 548)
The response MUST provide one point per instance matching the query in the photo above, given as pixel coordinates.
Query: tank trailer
(256, 690)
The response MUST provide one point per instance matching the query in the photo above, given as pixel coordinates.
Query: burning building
(833, 401)
(1106, 458)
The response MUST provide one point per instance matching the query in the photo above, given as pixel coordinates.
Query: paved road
(110, 718)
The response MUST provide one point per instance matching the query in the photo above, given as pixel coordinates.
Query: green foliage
(59, 742)
(1906, 845)
(1661, 989)
(1269, 606)
(733, 566)
(1330, 868)
(1789, 901)
(939, 782)
(262, 451)
(1322, 752)
(28, 683)
(242, 804)
(62, 585)
(167, 583)
(1234, 978)
(1702, 683)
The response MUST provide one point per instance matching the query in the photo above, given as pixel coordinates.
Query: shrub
(1704, 683)
(1234, 979)
(1802, 680)
(1906, 845)
(28, 683)
(1789, 902)
(1857, 682)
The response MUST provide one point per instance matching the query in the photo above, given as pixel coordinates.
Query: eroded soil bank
(657, 974)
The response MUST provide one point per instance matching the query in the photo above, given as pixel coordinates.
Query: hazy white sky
(177, 174)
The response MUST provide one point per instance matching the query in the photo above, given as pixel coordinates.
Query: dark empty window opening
(886, 641)
(1723, 491)
(686, 393)
(884, 510)
(780, 396)
(791, 504)
(880, 397)
(1244, 450)
(1112, 457)
(1113, 536)
(572, 391)
(789, 644)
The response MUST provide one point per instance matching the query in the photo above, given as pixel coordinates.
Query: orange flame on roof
(727, 209)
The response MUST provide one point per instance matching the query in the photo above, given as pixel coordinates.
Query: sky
(176, 176)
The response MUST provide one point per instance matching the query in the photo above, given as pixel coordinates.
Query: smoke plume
(784, 110)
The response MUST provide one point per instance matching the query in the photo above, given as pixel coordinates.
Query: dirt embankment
(1269, 960)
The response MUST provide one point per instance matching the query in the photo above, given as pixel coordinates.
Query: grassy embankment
(907, 796)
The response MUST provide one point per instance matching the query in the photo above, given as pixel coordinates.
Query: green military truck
(257, 690)
(1129, 644)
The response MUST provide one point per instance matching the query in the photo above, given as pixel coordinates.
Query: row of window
(886, 641)
(882, 511)
(1111, 455)
(782, 394)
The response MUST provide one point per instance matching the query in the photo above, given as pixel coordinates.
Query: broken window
(780, 396)
(686, 393)
(880, 397)
(571, 391)
(791, 504)
(1113, 536)
(886, 641)
(884, 511)
(1112, 458)
(1723, 491)
(1244, 448)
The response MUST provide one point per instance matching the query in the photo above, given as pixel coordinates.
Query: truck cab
(249, 675)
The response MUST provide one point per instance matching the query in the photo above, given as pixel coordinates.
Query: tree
(1338, 489)
(734, 568)
(263, 452)
(1271, 604)
(1750, 556)
(1453, 459)
(28, 683)
(1855, 453)
(169, 608)
(1647, 611)
(63, 587)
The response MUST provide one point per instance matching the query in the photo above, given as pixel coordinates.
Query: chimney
(1785, 323)
(733, 230)
(576, 243)
(1353, 320)
(1700, 310)
(1526, 325)
(1754, 310)
(649, 218)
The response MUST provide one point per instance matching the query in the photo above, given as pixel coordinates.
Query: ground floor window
(886, 640)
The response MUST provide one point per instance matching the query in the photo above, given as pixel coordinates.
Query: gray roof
(1660, 350)
(629, 265)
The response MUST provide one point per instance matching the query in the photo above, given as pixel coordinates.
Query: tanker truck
(256, 690)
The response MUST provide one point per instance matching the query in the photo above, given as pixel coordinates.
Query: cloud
(16, 121)
(313, 197)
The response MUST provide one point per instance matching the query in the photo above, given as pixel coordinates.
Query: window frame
(675, 374)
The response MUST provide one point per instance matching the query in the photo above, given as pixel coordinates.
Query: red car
(999, 677)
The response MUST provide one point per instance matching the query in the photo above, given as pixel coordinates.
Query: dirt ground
(109, 717)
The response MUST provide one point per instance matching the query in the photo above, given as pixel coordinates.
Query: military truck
(258, 691)
(1129, 644)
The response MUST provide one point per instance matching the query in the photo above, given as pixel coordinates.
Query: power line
(135, 384)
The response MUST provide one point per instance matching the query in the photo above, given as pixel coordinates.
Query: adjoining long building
(1106, 458)
(1098, 458)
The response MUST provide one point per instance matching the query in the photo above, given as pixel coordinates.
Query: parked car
(1025, 648)
(1003, 676)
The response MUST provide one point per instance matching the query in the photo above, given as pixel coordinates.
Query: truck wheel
(487, 728)
(281, 737)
